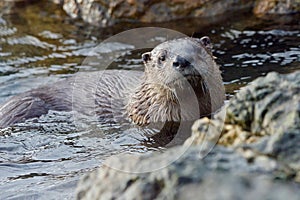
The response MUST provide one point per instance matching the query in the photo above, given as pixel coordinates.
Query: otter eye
(162, 58)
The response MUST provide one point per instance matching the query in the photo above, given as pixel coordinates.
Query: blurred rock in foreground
(222, 175)
(257, 155)
(263, 118)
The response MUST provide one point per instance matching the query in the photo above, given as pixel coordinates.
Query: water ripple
(30, 40)
(5, 31)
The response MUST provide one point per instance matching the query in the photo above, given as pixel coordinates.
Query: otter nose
(180, 63)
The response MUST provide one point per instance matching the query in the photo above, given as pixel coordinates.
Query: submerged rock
(257, 152)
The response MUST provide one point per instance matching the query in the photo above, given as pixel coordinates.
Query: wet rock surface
(104, 13)
(7, 6)
(274, 7)
(256, 152)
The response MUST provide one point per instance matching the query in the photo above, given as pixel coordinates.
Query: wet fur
(159, 94)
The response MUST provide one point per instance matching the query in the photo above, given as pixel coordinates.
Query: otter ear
(146, 56)
(205, 41)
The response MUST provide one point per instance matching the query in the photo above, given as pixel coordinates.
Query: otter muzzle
(181, 63)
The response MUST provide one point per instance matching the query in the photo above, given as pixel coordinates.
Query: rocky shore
(106, 13)
(257, 155)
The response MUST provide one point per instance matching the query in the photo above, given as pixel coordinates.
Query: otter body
(89, 93)
(181, 82)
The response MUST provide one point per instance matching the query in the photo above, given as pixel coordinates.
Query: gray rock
(8, 6)
(269, 104)
(272, 111)
(259, 144)
(271, 7)
(263, 117)
(104, 13)
(223, 174)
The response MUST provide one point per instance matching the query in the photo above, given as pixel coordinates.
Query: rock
(264, 118)
(104, 13)
(269, 106)
(263, 106)
(223, 174)
(275, 7)
(285, 147)
(7, 6)
(258, 145)
(216, 186)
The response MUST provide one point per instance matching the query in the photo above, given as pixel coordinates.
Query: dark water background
(39, 44)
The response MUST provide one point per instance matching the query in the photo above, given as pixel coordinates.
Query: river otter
(181, 82)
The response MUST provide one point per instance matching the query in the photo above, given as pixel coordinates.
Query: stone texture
(104, 13)
(7, 6)
(223, 174)
(275, 7)
(268, 106)
(257, 152)
(263, 118)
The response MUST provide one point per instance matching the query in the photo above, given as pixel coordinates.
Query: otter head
(176, 71)
(178, 60)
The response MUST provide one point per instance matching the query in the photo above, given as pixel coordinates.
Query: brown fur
(169, 94)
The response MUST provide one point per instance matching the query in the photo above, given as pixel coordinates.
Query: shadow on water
(39, 45)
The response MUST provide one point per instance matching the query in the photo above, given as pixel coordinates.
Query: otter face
(173, 61)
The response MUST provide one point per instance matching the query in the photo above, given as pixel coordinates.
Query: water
(39, 44)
